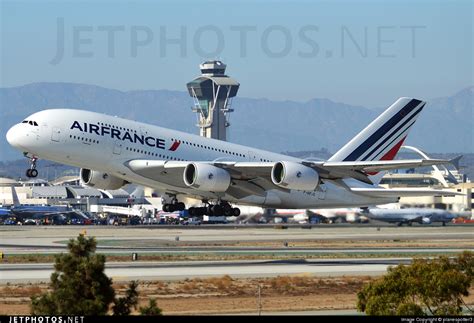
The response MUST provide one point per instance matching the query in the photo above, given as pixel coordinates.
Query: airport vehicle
(192, 221)
(214, 219)
(113, 152)
(410, 215)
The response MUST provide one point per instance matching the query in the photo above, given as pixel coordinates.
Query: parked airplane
(410, 215)
(5, 212)
(23, 211)
(113, 152)
(318, 215)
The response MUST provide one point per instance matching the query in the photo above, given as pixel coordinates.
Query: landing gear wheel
(33, 172)
(236, 211)
(217, 209)
(180, 206)
(173, 206)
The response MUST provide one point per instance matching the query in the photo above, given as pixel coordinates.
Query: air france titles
(118, 134)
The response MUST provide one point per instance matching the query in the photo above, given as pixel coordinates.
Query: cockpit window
(32, 123)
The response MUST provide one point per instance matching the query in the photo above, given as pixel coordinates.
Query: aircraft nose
(13, 135)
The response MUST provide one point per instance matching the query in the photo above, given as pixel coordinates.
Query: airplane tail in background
(16, 200)
(383, 137)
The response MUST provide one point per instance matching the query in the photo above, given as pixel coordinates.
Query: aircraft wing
(390, 192)
(255, 177)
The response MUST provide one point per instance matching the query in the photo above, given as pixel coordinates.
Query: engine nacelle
(294, 176)
(206, 177)
(101, 180)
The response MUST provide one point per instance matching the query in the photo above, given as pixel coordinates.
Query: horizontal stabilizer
(379, 165)
(388, 192)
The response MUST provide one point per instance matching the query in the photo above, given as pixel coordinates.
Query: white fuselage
(106, 143)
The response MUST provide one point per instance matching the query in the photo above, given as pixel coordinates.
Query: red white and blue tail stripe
(384, 136)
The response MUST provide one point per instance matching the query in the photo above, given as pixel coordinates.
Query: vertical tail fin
(384, 136)
(16, 200)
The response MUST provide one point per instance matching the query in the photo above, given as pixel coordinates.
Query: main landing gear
(32, 172)
(174, 206)
(221, 208)
(171, 204)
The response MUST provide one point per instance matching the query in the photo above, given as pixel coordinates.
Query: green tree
(433, 287)
(124, 305)
(79, 284)
(151, 309)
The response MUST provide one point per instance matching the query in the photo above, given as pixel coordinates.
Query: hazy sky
(358, 52)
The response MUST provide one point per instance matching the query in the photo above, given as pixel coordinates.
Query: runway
(125, 271)
(50, 236)
(249, 252)
(31, 249)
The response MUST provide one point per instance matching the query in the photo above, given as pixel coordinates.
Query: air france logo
(123, 135)
(175, 145)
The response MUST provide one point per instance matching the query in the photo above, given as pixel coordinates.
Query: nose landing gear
(32, 172)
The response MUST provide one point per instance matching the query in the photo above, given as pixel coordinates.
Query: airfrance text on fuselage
(116, 133)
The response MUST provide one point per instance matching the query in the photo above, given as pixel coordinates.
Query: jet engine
(206, 177)
(101, 180)
(294, 176)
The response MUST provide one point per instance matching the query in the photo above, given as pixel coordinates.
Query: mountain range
(445, 126)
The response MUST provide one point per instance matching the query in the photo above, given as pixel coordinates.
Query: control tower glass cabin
(212, 93)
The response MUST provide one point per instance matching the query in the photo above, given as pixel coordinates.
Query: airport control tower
(212, 93)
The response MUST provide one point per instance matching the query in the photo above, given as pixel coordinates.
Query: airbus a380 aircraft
(113, 152)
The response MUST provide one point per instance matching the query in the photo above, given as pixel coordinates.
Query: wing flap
(168, 172)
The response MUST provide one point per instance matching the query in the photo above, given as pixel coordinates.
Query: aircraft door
(118, 147)
(56, 134)
(252, 156)
(322, 192)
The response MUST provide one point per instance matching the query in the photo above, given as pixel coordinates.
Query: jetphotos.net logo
(306, 41)
(46, 319)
